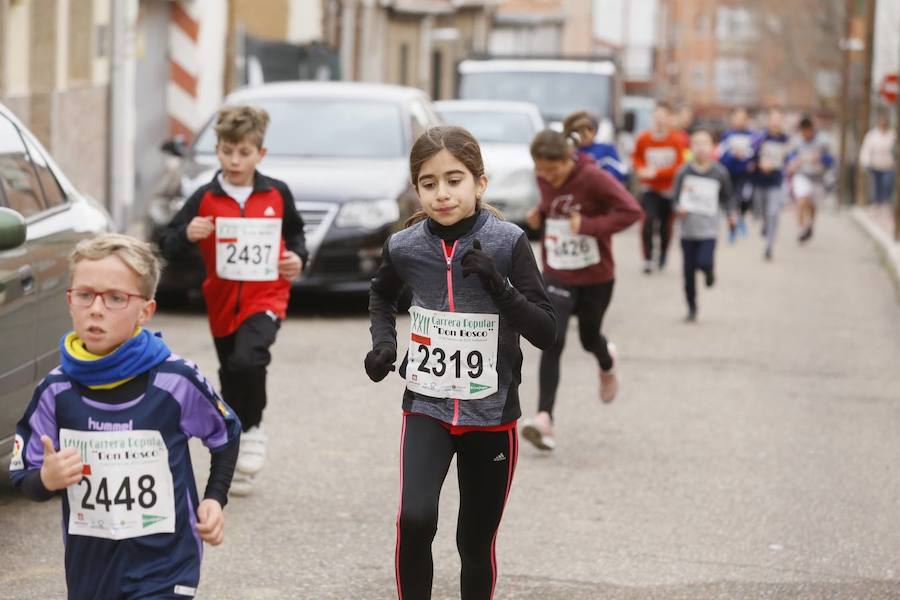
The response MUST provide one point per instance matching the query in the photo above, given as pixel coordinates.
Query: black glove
(379, 362)
(478, 262)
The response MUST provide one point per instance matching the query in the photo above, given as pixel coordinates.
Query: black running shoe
(710, 278)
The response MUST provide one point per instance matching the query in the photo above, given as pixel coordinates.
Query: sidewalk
(878, 223)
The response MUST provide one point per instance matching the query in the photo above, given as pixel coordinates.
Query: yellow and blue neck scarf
(142, 352)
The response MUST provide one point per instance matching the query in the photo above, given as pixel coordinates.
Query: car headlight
(518, 184)
(369, 214)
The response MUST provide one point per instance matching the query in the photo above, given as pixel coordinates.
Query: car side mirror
(13, 230)
(176, 147)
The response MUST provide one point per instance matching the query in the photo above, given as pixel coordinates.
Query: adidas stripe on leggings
(486, 462)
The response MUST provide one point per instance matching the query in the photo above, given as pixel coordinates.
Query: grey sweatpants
(770, 202)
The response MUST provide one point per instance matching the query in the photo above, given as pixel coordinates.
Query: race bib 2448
(126, 490)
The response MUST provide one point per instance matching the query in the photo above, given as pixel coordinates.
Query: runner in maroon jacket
(581, 208)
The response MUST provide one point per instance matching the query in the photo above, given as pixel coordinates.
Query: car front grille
(346, 264)
(316, 216)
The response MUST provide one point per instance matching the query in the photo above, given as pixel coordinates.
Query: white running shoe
(252, 455)
(241, 484)
(539, 431)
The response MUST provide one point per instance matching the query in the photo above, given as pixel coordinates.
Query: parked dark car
(42, 218)
(343, 149)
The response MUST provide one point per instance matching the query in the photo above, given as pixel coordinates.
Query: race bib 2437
(247, 249)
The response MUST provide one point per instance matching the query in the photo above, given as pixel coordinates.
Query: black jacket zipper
(237, 304)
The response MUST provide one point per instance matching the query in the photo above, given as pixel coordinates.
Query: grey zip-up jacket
(416, 257)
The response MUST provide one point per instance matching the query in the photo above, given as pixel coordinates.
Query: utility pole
(122, 113)
(861, 180)
(845, 194)
(897, 164)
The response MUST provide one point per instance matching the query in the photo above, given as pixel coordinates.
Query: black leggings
(589, 302)
(699, 255)
(243, 358)
(486, 462)
(657, 215)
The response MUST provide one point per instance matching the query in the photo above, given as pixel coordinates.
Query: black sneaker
(710, 278)
(806, 235)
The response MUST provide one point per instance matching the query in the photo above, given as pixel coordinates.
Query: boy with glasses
(108, 430)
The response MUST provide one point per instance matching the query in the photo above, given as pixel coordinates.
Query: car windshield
(325, 127)
(491, 126)
(555, 94)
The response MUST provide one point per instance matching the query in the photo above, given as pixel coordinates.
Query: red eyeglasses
(112, 299)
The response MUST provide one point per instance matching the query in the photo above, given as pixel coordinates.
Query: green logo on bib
(476, 387)
(151, 519)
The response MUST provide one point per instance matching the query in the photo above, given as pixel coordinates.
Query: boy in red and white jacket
(251, 240)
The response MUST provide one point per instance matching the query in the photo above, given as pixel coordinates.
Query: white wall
(525, 40)
(625, 21)
(304, 21)
(15, 51)
(887, 39)
(100, 64)
(631, 25)
(211, 50)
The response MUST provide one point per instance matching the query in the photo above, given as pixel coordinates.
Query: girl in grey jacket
(475, 289)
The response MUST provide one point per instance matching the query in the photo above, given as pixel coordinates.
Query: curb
(887, 247)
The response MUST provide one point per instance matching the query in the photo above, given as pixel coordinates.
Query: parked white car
(504, 130)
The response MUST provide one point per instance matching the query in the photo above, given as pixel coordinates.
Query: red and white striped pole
(184, 62)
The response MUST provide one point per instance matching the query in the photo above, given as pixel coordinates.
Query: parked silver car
(504, 130)
(42, 217)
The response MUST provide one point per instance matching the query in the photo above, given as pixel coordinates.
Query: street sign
(888, 87)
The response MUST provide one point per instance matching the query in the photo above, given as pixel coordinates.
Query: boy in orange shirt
(658, 154)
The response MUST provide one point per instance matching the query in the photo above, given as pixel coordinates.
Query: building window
(735, 80)
(702, 23)
(698, 74)
(404, 64)
(437, 73)
(735, 25)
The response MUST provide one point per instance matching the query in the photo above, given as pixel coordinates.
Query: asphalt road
(750, 455)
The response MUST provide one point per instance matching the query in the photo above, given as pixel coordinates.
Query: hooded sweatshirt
(606, 208)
